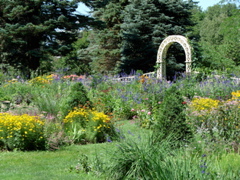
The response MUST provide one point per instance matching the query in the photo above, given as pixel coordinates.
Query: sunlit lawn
(46, 165)
(55, 165)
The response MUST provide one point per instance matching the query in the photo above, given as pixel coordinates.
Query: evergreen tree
(104, 48)
(146, 24)
(32, 30)
(77, 61)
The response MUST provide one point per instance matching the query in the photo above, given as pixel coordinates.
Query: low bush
(219, 120)
(84, 125)
(77, 97)
(22, 132)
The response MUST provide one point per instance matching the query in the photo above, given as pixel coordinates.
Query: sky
(206, 3)
(203, 3)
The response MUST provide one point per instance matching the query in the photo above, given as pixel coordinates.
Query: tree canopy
(119, 35)
(146, 24)
(32, 30)
(133, 31)
(220, 34)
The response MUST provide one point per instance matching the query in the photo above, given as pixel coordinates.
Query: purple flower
(129, 132)
(108, 139)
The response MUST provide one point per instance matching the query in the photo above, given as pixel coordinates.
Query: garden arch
(162, 53)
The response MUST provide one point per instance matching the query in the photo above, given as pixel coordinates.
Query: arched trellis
(162, 53)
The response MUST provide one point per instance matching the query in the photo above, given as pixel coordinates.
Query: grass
(46, 165)
(55, 165)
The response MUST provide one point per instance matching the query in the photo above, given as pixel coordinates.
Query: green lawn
(46, 165)
(54, 165)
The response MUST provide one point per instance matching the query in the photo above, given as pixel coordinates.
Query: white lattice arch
(162, 53)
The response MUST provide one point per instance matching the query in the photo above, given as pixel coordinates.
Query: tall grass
(143, 158)
(50, 97)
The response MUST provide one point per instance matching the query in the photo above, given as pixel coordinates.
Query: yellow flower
(15, 124)
(200, 104)
(236, 94)
(88, 116)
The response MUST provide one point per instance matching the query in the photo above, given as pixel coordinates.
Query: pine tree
(146, 24)
(32, 30)
(105, 43)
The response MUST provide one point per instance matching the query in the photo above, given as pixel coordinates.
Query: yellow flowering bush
(220, 118)
(12, 81)
(236, 95)
(200, 104)
(22, 132)
(88, 125)
(41, 80)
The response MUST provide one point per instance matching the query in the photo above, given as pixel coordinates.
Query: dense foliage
(220, 37)
(33, 31)
(123, 35)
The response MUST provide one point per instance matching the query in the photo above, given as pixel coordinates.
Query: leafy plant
(86, 125)
(23, 132)
(50, 98)
(77, 97)
(170, 115)
(220, 119)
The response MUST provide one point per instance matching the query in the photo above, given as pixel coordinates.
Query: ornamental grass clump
(84, 125)
(23, 132)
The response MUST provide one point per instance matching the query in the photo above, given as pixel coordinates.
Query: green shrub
(84, 125)
(170, 116)
(55, 135)
(77, 97)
